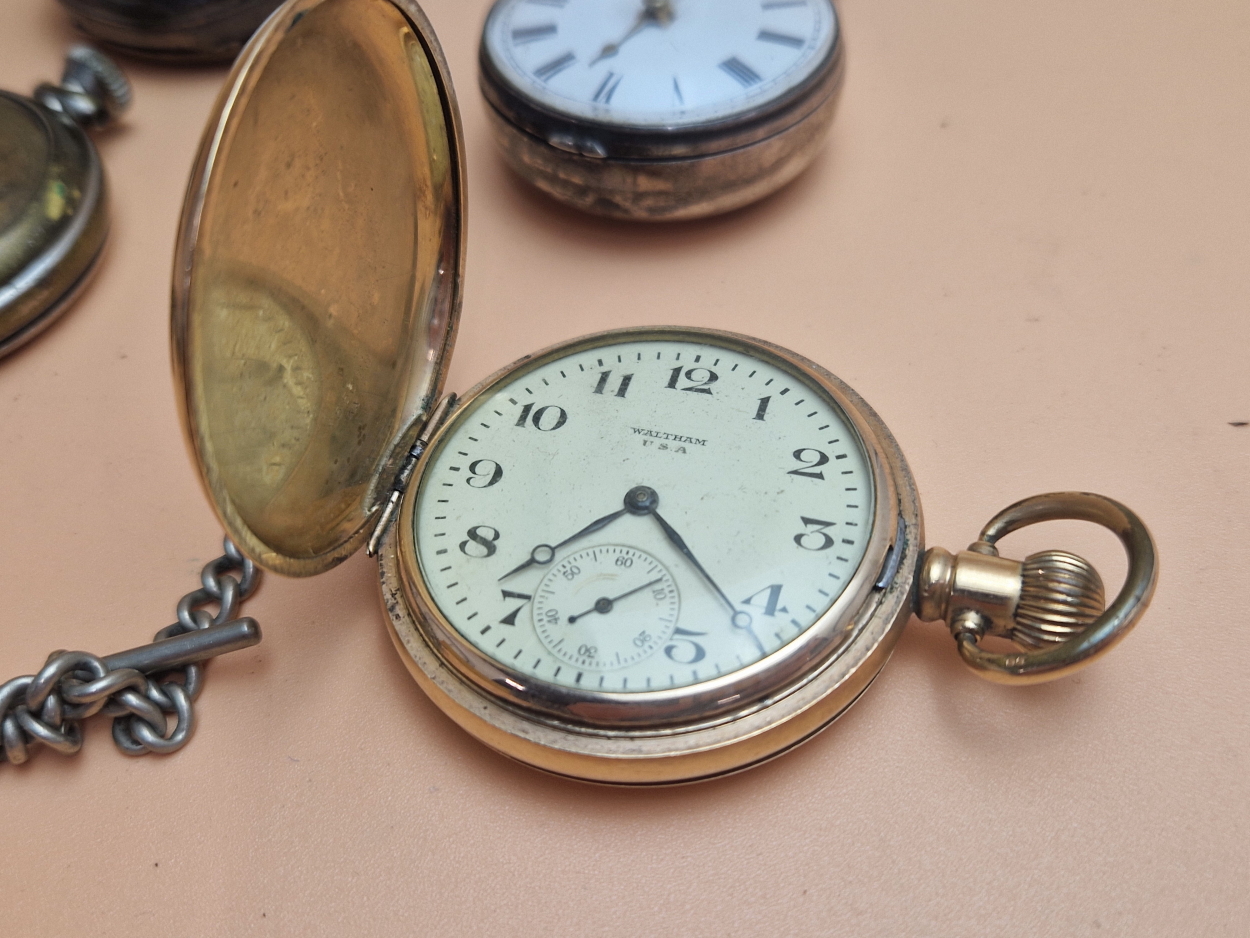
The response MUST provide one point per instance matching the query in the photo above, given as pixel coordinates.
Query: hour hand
(544, 553)
(654, 12)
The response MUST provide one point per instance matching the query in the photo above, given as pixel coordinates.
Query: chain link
(50, 706)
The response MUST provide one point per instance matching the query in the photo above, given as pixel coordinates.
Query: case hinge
(409, 466)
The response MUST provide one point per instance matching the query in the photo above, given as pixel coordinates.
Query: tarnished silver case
(650, 174)
(53, 217)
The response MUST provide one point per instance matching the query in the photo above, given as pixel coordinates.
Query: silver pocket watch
(53, 197)
(660, 109)
(647, 556)
(174, 31)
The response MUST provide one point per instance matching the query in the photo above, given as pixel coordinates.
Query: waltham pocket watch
(53, 199)
(660, 109)
(648, 556)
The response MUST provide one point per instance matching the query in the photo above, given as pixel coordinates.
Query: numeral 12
(701, 385)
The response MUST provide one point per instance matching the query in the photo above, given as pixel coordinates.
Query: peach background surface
(1025, 244)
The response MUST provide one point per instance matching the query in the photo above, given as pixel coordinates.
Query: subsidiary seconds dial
(606, 607)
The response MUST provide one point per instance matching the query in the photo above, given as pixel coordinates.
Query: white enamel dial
(658, 63)
(605, 608)
(730, 490)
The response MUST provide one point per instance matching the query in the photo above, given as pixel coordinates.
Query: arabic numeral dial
(640, 513)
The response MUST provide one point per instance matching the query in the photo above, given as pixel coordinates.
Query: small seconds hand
(603, 605)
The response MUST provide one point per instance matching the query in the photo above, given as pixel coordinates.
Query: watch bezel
(660, 711)
(677, 752)
(624, 141)
(56, 270)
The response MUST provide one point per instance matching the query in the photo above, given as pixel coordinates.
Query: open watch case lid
(316, 287)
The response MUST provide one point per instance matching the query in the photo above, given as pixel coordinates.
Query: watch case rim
(736, 692)
(193, 36)
(35, 327)
(628, 142)
(673, 753)
(67, 263)
(662, 190)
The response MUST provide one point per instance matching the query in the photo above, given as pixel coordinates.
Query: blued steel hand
(738, 617)
(653, 13)
(689, 555)
(545, 553)
(639, 501)
(603, 605)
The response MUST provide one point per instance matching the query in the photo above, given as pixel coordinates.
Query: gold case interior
(316, 295)
(317, 278)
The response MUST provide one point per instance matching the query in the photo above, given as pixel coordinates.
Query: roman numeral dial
(740, 72)
(662, 63)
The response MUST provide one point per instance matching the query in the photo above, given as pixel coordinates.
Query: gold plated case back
(316, 284)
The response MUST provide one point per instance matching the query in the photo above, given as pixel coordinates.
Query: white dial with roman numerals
(641, 514)
(658, 63)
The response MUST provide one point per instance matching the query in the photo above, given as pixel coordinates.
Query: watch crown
(93, 90)
(1049, 598)
(1051, 605)
(1061, 595)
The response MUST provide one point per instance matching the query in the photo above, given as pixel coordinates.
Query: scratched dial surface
(658, 63)
(718, 502)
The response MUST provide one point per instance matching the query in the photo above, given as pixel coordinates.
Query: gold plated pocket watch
(660, 109)
(53, 199)
(647, 556)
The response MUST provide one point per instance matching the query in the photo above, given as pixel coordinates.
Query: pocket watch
(647, 556)
(643, 557)
(53, 204)
(183, 31)
(660, 109)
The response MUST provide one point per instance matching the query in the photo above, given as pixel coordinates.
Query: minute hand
(738, 618)
(685, 552)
